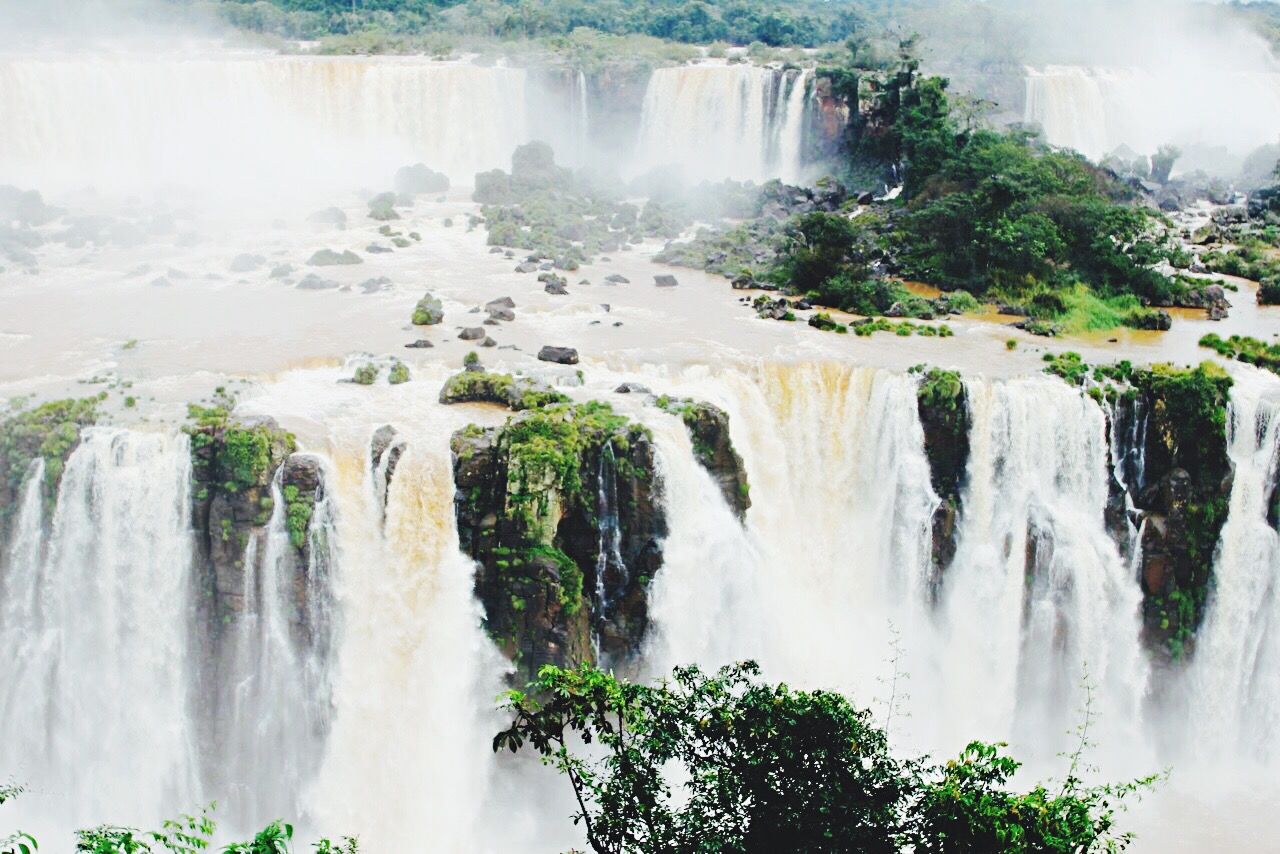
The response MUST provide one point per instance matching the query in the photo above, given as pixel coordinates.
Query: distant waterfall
(1096, 110)
(724, 121)
(94, 679)
(1235, 675)
(251, 124)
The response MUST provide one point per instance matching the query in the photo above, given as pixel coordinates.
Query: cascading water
(724, 121)
(1234, 679)
(1096, 110)
(415, 677)
(252, 124)
(273, 723)
(93, 685)
(1038, 594)
(836, 553)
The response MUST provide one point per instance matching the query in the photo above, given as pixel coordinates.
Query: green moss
(1245, 349)
(399, 373)
(366, 374)
(298, 511)
(569, 590)
(51, 432)
(940, 389)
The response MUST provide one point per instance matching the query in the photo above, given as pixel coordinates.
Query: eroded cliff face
(713, 448)
(944, 415)
(561, 509)
(1178, 474)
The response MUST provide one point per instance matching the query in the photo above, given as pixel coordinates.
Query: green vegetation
(186, 834)
(298, 511)
(240, 456)
(365, 374)
(428, 312)
(516, 393)
(50, 431)
(1245, 349)
(941, 389)
(386, 25)
(769, 768)
(1254, 259)
(399, 373)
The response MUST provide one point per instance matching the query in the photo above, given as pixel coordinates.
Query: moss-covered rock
(428, 312)
(1183, 492)
(51, 432)
(514, 392)
(559, 507)
(232, 463)
(713, 448)
(942, 403)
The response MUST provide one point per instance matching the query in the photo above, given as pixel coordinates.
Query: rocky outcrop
(1181, 492)
(51, 432)
(514, 392)
(713, 448)
(942, 403)
(560, 510)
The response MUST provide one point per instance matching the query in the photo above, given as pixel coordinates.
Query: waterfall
(580, 118)
(93, 684)
(828, 584)
(1038, 593)
(275, 715)
(1235, 675)
(723, 121)
(609, 549)
(258, 124)
(835, 555)
(415, 678)
(1096, 110)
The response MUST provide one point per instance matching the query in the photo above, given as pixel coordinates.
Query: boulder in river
(665, 280)
(558, 355)
(330, 258)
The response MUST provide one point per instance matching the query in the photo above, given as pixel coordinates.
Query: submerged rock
(329, 216)
(246, 263)
(665, 281)
(312, 282)
(472, 333)
(329, 258)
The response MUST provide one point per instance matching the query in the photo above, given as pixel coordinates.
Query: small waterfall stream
(1234, 679)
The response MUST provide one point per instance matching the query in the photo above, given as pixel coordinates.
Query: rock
(558, 355)
(515, 393)
(382, 207)
(527, 267)
(373, 286)
(708, 427)
(418, 179)
(472, 333)
(536, 540)
(420, 344)
(616, 279)
(329, 216)
(500, 302)
(279, 271)
(488, 342)
(378, 249)
(504, 314)
(943, 408)
(329, 258)
(1157, 320)
(312, 282)
(246, 263)
(385, 449)
(632, 388)
(665, 280)
(428, 312)
(556, 288)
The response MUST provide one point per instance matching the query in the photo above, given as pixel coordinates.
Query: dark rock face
(713, 448)
(559, 355)
(665, 281)
(385, 449)
(1172, 445)
(560, 509)
(943, 404)
(232, 468)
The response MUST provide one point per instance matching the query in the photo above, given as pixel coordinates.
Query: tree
(767, 768)
(817, 246)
